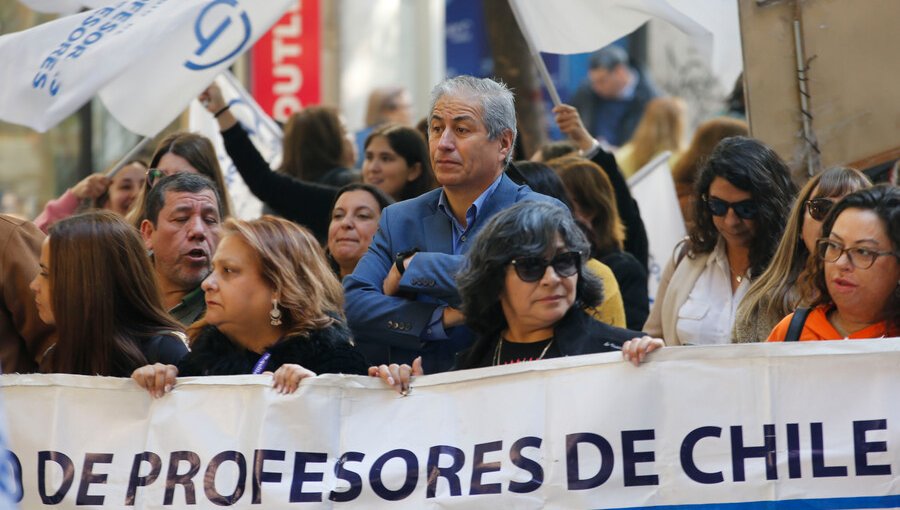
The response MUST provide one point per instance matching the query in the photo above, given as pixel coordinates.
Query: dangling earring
(275, 314)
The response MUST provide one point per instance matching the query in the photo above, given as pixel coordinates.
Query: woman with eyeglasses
(744, 193)
(855, 274)
(776, 293)
(524, 288)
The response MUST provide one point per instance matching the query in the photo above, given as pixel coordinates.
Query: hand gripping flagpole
(536, 55)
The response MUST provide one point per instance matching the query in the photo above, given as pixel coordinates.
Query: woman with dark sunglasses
(776, 293)
(743, 195)
(855, 274)
(524, 289)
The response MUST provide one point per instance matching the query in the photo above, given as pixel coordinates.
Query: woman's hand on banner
(158, 379)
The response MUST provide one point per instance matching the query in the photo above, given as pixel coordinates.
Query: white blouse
(707, 316)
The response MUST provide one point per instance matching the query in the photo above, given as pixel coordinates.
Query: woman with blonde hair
(96, 285)
(177, 153)
(661, 129)
(775, 293)
(272, 305)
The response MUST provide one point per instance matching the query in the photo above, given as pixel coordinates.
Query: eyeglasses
(153, 175)
(818, 207)
(860, 258)
(532, 269)
(745, 209)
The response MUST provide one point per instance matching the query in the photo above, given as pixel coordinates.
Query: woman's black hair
(527, 229)
(544, 180)
(749, 165)
(380, 196)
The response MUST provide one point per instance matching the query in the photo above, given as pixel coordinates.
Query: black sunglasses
(745, 209)
(532, 269)
(818, 208)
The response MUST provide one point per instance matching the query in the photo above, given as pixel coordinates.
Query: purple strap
(261, 364)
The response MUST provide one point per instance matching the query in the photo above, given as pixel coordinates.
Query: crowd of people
(440, 253)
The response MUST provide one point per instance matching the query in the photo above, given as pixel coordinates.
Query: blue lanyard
(261, 364)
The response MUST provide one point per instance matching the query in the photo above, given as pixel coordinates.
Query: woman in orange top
(856, 270)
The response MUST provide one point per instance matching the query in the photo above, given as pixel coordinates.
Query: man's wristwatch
(403, 255)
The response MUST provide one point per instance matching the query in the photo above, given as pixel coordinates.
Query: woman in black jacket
(523, 290)
(272, 305)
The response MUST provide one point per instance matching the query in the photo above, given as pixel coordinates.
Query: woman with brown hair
(272, 304)
(396, 160)
(855, 274)
(594, 204)
(181, 152)
(316, 148)
(96, 285)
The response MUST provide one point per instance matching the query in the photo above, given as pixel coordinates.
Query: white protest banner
(750, 426)
(145, 58)
(580, 26)
(264, 132)
(653, 189)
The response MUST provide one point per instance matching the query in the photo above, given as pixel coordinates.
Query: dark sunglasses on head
(745, 209)
(153, 175)
(532, 269)
(818, 208)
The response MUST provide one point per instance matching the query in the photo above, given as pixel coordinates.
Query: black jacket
(325, 351)
(576, 333)
(632, 279)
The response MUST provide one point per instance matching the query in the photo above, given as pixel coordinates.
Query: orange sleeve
(780, 330)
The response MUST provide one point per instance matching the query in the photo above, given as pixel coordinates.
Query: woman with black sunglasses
(855, 274)
(776, 293)
(743, 196)
(524, 289)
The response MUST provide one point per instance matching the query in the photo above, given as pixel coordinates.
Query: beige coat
(23, 336)
(675, 286)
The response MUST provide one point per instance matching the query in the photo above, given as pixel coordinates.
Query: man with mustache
(181, 231)
(401, 300)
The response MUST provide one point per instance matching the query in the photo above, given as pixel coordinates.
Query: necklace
(500, 346)
(738, 277)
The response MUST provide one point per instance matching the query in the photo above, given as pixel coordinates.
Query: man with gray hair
(612, 102)
(402, 301)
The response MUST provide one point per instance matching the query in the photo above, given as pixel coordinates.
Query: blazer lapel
(438, 233)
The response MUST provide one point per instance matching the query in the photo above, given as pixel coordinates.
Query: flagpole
(536, 55)
(128, 157)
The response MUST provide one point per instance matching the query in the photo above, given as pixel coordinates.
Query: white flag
(653, 189)
(146, 58)
(264, 132)
(64, 6)
(580, 26)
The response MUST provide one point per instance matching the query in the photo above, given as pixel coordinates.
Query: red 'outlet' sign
(285, 62)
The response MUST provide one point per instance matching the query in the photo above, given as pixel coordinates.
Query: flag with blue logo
(146, 59)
